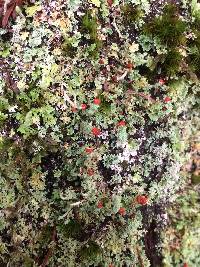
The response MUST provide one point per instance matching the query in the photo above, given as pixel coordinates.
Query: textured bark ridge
(152, 240)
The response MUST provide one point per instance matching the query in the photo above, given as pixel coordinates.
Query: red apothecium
(83, 106)
(141, 199)
(110, 2)
(74, 109)
(114, 79)
(97, 101)
(100, 204)
(121, 123)
(89, 149)
(101, 61)
(161, 81)
(90, 172)
(167, 99)
(96, 131)
(122, 211)
(129, 65)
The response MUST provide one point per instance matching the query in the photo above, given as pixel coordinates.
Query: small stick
(76, 203)
(139, 257)
(123, 76)
(66, 97)
(129, 92)
(50, 251)
(117, 29)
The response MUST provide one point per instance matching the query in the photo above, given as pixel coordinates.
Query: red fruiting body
(74, 109)
(106, 86)
(97, 101)
(104, 71)
(131, 81)
(100, 205)
(122, 211)
(114, 79)
(89, 149)
(96, 131)
(161, 81)
(142, 200)
(167, 99)
(185, 265)
(121, 123)
(81, 170)
(111, 265)
(83, 106)
(117, 12)
(101, 61)
(90, 172)
(110, 2)
(129, 65)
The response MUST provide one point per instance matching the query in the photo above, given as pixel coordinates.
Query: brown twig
(50, 251)
(139, 257)
(10, 83)
(147, 97)
(8, 9)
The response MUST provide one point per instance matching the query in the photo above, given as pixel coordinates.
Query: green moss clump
(131, 13)
(28, 262)
(73, 229)
(172, 62)
(90, 251)
(68, 49)
(105, 106)
(169, 28)
(45, 236)
(195, 179)
(196, 23)
(89, 26)
(194, 53)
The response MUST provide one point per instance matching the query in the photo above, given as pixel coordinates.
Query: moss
(95, 52)
(90, 251)
(196, 24)
(72, 229)
(89, 26)
(172, 62)
(45, 236)
(105, 106)
(169, 28)
(168, 64)
(195, 179)
(45, 144)
(131, 13)
(28, 262)
(184, 224)
(68, 49)
(194, 53)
